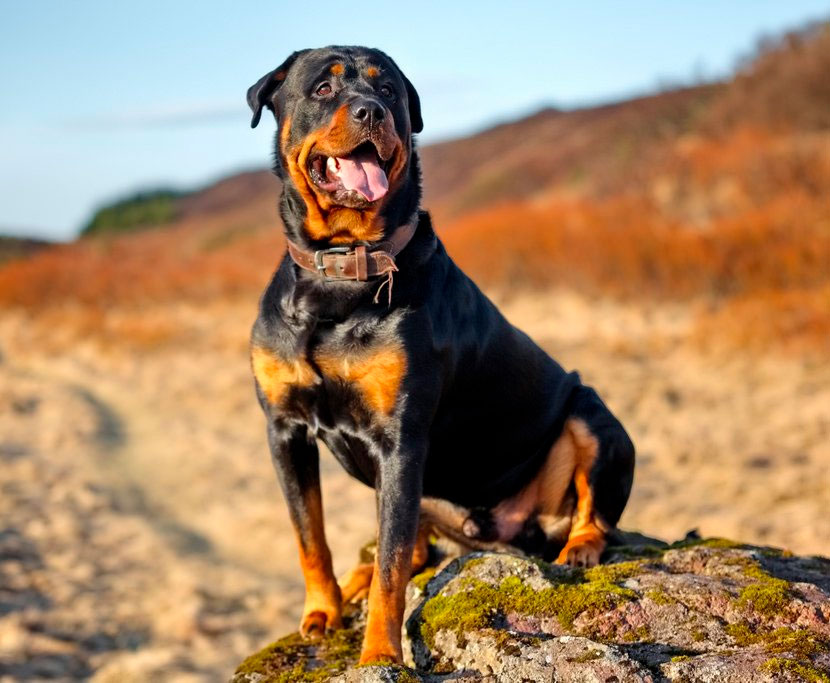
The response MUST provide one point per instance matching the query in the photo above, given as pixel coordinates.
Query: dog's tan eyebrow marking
(337, 69)
(372, 72)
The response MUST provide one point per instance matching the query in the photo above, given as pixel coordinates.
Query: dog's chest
(334, 378)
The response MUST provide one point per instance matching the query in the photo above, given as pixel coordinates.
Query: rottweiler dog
(370, 339)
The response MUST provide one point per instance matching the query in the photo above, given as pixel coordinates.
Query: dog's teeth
(331, 164)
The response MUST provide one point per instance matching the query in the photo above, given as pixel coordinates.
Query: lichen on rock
(698, 610)
(293, 659)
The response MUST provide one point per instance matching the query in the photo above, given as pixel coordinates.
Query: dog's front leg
(297, 462)
(399, 487)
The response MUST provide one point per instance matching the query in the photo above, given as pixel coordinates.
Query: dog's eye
(324, 89)
(387, 92)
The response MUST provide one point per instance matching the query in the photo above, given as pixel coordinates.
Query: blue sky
(103, 98)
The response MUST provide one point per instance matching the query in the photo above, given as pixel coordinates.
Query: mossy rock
(293, 659)
(679, 612)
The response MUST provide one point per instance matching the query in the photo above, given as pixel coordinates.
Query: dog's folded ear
(415, 120)
(414, 106)
(261, 93)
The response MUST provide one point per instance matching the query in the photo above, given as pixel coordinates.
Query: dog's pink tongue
(361, 173)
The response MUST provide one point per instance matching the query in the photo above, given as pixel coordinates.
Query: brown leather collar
(360, 262)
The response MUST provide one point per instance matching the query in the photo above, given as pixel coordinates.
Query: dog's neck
(309, 299)
(365, 263)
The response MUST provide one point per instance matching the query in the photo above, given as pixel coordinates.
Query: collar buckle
(318, 256)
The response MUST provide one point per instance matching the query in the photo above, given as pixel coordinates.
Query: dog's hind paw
(583, 550)
(480, 525)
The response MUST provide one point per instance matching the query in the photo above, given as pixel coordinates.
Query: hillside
(589, 151)
(718, 193)
(16, 248)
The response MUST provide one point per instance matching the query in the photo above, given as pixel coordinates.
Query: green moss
(587, 656)
(659, 597)
(509, 643)
(718, 543)
(715, 543)
(638, 635)
(293, 659)
(698, 635)
(776, 553)
(421, 580)
(477, 604)
(769, 596)
(406, 676)
(798, 642)
(284, 648)
(476, 561)
(680, 658)
(741, 634)
(639, 551)
(780, 666)
(613, 573)
(471, 608)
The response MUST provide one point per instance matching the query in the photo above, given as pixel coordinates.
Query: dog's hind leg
(586, 539)
(603, 474)
(354, 584)
(461, 525)
(441, 516)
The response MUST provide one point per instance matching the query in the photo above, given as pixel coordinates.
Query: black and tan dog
(370, 339)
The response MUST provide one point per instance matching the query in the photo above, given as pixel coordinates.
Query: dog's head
(345, 119)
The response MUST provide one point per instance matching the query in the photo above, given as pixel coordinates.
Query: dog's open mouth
(359, 175)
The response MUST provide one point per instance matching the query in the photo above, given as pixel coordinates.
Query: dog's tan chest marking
(376, 374)
(277, 376)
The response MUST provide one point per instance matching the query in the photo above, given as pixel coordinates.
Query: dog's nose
(367, 111)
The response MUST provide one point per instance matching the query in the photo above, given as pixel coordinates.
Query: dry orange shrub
(626, 247)
(708, 177)
(758, 252)
(797, 320)
(166, 265)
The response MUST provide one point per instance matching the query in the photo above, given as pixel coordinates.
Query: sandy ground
(143, 536)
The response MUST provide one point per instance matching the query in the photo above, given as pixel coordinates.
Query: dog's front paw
(379, 657)
(381, 641)
(321, 614)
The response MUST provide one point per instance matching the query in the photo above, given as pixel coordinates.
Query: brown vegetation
(717, 193)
